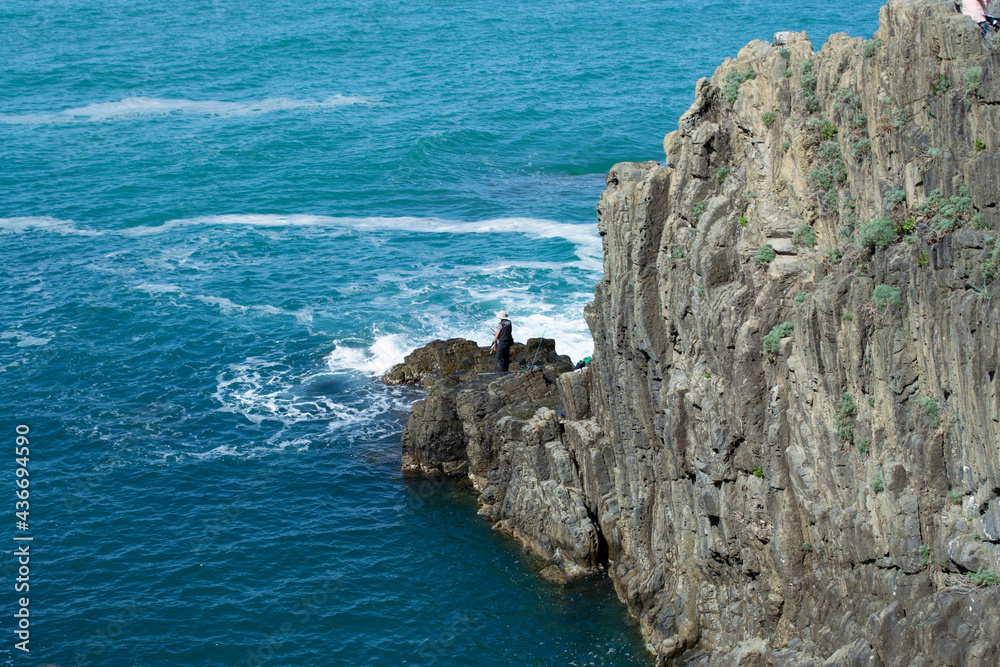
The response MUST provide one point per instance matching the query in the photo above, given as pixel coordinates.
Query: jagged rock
(765, 495)
(458, 355)
(503, 432)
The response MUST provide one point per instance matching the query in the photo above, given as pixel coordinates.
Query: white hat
(502, 314)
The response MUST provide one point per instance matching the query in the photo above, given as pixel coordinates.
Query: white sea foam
(156, 288)
(385, 352)
(65, 227)
(583, 236)
(271, 391)
(142, 107)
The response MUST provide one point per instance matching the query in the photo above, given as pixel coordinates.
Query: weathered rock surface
(808, 497)
(458, 355)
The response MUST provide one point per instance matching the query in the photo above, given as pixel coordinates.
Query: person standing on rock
(502, 340)
(976, 10)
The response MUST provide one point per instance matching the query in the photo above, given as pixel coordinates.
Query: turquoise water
(219, 220)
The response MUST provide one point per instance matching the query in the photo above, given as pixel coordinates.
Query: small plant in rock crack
(984, 576)
(906, 226)
(955, 497)
(990, 269)
(758, 472)
(698, 209)
(764, 256)
(925, 554)
(768, 118)
(893, 197)
(733, 80)
(862, 447)
(940, 85)
(846, 411)
(804, 237)
(983, 293)
(877, 484)
(772, 341)
(807, 546)
(872, 46)
(885, 295)
(971, 78)
(807, 82)
(930, 408)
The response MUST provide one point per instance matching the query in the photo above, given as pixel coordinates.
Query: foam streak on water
(222, 220)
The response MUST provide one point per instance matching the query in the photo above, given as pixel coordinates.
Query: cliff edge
(787, 448)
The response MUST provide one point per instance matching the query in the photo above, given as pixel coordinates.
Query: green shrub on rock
(971, 78)
(846, 410)
(879, 232)
(804, 236)
(764, 256)
(885, 295)
(947, 214)
(731, 87)
(895, 196)
(877, 484)
(807, 83)
(940, 85)
(697, 210)
(990, 269)
(772, 341)
(984, 576)
(925, 554)
(871, 46)
(930, 408)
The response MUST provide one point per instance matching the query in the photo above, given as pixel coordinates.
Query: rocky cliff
(787, 448)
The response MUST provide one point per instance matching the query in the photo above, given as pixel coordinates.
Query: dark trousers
(503, 358)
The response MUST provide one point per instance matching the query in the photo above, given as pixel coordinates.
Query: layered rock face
(787, 448)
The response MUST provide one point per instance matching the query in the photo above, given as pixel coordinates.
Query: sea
(220, 222)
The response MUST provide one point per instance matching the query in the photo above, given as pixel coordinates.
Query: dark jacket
(506, 338)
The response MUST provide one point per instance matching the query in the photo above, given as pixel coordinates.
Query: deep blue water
(218, 220)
